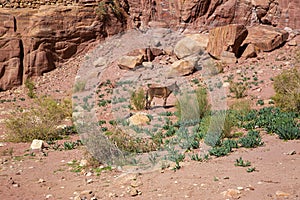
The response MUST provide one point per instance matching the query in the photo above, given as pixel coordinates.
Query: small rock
(77, 198)
(291, 152)
(2, 144)
(292, 43)
(83, 163)
(136, 183)
(226, 84)
(16, 185)
(48, 196)
(232, 193)
(249, 187)
(86, 192)
(36, 144)
(226, 177)
(89, 181)
(133, 192)
(238, 71)
(282, 194)
(18, 172)
(240, 188)
(89, 174)
(110, 195)
(41, 180)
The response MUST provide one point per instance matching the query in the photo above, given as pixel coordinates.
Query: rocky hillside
(37, 36)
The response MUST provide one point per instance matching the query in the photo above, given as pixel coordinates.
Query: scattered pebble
(41, 180)
(89, 174)
(232, 193)
(89, 181)
(133, 192)
(86, 192)
(240, 188)
(48, 196)
(83, 163)
(282, 194)
(110, 195)
(291, 152)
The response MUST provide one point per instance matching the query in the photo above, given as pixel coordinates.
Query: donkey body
(160, 92)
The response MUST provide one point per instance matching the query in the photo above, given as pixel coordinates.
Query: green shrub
(273, 120)
(241, 163)
(238, 89)
(29, 84)
(224, 149)
(287, 88)
(219, 151)
(251, 140)
(138, 99)
(39, 122)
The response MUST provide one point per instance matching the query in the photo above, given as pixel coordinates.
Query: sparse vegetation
(287, 88)
(241, 163)
(38, 122)
(29, 84)
(238, 89)
(79, 86)
(138, 99)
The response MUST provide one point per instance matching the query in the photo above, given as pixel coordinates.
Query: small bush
(287, 88)
(39, 122)
(79, 86)
(29, 84)
(238, 89)
(128, 143)
(241, 163)
(251, 140)
(138, 99)
(219, 151)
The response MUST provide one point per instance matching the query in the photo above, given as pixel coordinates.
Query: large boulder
(130, 62)
(226, 38)
(265, 38)
(182, 67)
(138, 119)
(190, 45)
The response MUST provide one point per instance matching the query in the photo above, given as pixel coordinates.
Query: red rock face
(290, 13)
(33, 42)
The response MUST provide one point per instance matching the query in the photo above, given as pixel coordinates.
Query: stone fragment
(190, 45)
(138, 119)
(226, 39)
(182, 68)
(130, 62)
(36, 145)
(265, 38)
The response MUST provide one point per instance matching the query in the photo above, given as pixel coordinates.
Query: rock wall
(205, 14)
(35, 41)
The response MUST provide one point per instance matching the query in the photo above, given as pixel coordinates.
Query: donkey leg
(165, 102)
(148, 103)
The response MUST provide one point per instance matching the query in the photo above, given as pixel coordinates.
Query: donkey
(160, 92)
